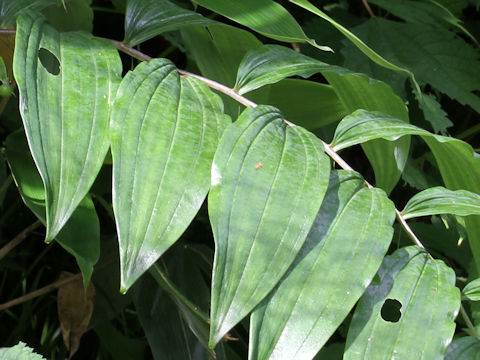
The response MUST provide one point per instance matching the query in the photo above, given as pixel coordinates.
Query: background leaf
(74, 15)
(438, 200)
(471, 291)
(10, 9)
(67, 133)
(164, 134)
(318, 292)
(145, 19)
(423, 324)
(465, 348)
(268, 181)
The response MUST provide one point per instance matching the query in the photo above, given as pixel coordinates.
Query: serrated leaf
(452, 156)
(438, 200)
(258, 15)
(268, 181)
(465, 348)
(11, 9)
(81, 234)
(325, 281)
(408, 313)
(471, 291)
(272, 63)
(19, 351)
(65, 116)
(145, 19)
(164, 134)
(433, 112)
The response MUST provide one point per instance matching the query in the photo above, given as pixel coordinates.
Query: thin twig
(39, 292)
(18, 239)
(369, 9)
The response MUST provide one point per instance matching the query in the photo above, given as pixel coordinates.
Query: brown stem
(39, 292)
(369, 9)
(18, 239)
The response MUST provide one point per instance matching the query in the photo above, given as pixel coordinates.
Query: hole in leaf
(49, 61)
(391, 310)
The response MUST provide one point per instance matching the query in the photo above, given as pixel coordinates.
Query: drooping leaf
(66, 116)
(217, 51)
(145, 19)
(408, 313)
(452, 156)
(164, 133)
(341, 255)
(266, 17)
(272, 63)
(19, 351)
(465, 348)
(81, 234)
(10, 9)
(75, 307)
(74, 15)
(438, 200)
(471, 291)
(268, 181)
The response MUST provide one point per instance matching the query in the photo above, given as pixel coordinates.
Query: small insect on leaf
(259, 166)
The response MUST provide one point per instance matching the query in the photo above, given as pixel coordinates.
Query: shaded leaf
(10, 9)
(75, 307)
(164, 133)
(438, 200)
(81, 234)
(19, 351)
(408, 313)
(67, 133)
(73, 15)
(119, 346)
(465, 348)
(145, 19)
(471, 291)
(268, 181)
(433, 112)
(319, 290)
(258, 15)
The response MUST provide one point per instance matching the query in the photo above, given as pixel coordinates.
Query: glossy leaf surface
(10, 9)
(145, 19)
(258, 15)
(81, 234)
(66, 116)
(408, 313)
(341, 255)
(465, 348)
(471, 291)
(268, 181)
(164, 134)
(438, 200)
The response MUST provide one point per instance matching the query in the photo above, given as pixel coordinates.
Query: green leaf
(408, 313)
(81, 234)
(465, 348)
(438, 200)
(164, 134)
(309, 104)
(11, 9)
(145, 19)
(471, 291)
(325, 281)
(74, 15)
(272, 63)
(433, 112)
(268, 181)
(452, 156)
(19, 351)
(66, 116)
(264, 16)
(119, 346)
(3, 72)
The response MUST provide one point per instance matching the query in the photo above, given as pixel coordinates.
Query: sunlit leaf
(81, 234)
(267, 17)
(66, 116)
(319, 290)
(145, 19)
(408, 312)
(19, 351)
(268, 181)
(438, 200)
(164, 134)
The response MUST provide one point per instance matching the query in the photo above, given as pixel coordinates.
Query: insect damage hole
(49, 61)
(391, 310)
